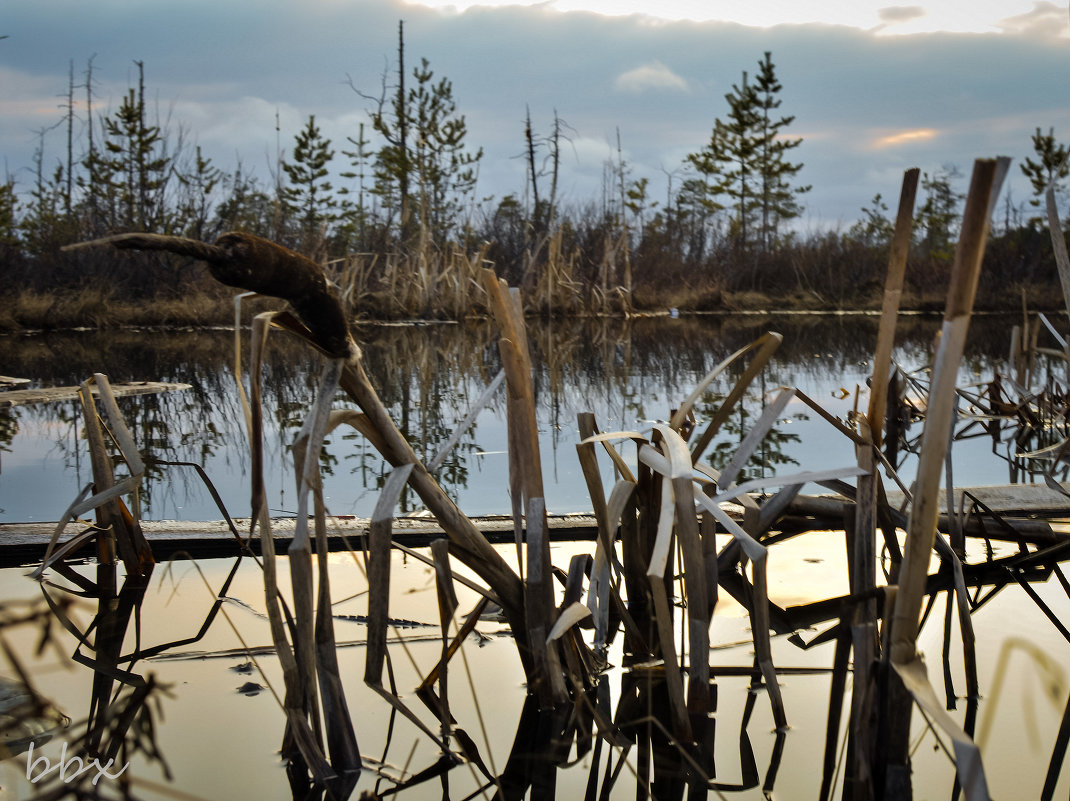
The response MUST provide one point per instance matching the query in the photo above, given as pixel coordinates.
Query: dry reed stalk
(893, 292)
(1058, 243)
(618, 512)
(766, 345)
(306, 452)
(447, 607)
(862, 538)
(526, 461)
(609, 515)
(939, 410)
(694, 578)
(301, 742)
(466, 541)
(921, 532)
(118, 530)
(379, 535)
(340, 735)
(655, 574)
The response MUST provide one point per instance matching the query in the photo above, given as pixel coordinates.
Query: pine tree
(735, 145)
(745, 163)
(134, 167)
(308, 194)
(934, 220)
(778, 199)
(355, 216)
(8, 221)
(875, 229)
(246, 207)
(1050, 168)
(199, 182)
(44, 225)
(424, 170)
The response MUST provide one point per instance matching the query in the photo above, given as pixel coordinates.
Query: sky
(875, 89)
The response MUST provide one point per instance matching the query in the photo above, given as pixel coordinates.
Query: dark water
(629, 374)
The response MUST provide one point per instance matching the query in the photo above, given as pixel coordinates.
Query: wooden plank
(1007, 498)
(26, 397)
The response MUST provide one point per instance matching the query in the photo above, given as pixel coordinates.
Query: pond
(221, 743)
(200, 631)
(628, 373)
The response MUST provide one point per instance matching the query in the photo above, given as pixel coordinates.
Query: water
(220, 743)
(629, 374)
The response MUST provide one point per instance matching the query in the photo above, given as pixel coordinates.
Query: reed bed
(666, 549)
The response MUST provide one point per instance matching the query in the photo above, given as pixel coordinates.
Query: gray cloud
(1045, 20)
(223, 71)
(894, 14)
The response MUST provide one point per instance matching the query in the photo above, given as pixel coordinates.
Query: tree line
(724, 228)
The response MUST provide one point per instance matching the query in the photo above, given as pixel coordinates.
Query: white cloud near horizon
(651, 76)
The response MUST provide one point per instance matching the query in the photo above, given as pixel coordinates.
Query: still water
(219, 742)
(630, 374)
(222, 743)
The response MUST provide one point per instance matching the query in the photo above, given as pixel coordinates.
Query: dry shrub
(427, 283)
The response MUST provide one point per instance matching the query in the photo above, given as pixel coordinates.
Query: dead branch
(257, 265)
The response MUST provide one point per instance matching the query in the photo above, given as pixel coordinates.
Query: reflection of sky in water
(628, 379)
(221, 744)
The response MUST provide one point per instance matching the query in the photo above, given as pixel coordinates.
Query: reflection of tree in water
(628, 372)
(9, 427)
(427, 377)
(194, 425)
(769, 456)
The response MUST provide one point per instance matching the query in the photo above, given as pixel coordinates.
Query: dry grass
(101, 308)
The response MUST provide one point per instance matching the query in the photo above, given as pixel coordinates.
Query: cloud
(1046, 20)
(226, 69)
(905, 137)
(652, 75)
(895, 14)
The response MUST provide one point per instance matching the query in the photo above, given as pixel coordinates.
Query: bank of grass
(104, 308)
(435, 286)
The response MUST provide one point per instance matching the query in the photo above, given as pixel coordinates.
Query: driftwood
(257, 265)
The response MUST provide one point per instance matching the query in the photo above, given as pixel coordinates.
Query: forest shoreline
(96, 309)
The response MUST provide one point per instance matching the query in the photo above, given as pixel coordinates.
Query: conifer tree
(308, 193)
(136, 162)
(1051, 166)
(199, 182)
(778, 199)
(355, 215)
(424, 171)
(875, 229)
(8, 225)
(745, 162)
(728, 162)
(936, 216)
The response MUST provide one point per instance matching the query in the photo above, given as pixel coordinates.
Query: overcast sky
(875, 89)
